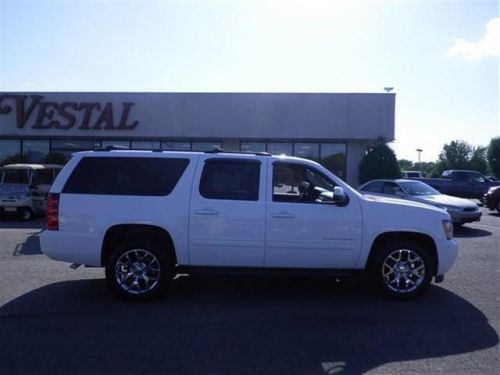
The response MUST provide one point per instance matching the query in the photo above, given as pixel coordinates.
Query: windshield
(15, 176)
(417, 188)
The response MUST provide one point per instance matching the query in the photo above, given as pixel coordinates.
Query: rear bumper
(72, 247)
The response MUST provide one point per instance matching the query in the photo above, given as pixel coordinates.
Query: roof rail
(218, 150)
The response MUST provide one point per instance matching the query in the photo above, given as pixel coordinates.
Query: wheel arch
(423, 239)
(128, 232)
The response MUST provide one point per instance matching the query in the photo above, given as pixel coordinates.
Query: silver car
(461, 210)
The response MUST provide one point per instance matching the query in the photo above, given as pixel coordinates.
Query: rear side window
(230, 179)
(126, 176)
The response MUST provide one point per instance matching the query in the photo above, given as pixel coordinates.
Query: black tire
(25, 214)
(139, 270)
(402, 270)
(498, 206)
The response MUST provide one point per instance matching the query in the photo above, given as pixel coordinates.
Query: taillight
(52, 211)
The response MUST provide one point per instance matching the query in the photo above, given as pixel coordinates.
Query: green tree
(427, 167)
(455, 155)
(406, 165)
(493, 156)
(379, 162)
(478, 160)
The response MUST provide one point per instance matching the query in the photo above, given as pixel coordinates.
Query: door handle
(206, 211)
(283, 215)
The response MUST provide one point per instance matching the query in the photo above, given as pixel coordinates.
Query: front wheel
(25, 214)
(403, 270)
(138, 271)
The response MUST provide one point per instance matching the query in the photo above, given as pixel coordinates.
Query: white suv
(146, 216)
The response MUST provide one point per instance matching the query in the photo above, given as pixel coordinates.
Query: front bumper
(447, 254)
(462, 217)
(489, 202)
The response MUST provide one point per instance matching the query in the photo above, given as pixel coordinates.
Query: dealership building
(333, 129)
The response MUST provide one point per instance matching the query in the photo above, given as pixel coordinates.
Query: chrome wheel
(137, 271)
(403, 271)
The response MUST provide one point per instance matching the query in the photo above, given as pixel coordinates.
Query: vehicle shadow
(225, 325)
(30, 247)
(9, 223)
(464, 231)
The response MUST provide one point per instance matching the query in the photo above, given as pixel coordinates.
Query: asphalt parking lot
(61, 321)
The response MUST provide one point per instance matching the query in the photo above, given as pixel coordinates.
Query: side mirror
(400, 194)
(339, 196)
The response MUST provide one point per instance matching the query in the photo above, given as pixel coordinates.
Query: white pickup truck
(146, 216)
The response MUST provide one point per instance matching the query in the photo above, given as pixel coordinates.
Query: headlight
(448, 229)
(452, 209)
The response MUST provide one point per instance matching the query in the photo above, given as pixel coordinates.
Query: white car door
(302, 231)
(227, 212)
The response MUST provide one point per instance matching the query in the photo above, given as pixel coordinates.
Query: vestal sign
(33, 111)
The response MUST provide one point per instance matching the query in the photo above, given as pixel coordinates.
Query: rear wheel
(402, 270)
(138, 271)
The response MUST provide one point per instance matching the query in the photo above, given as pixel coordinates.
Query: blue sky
(439, 56)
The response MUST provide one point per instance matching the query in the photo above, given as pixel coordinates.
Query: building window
(146, 145)
(61, 150)
(176, 146)
(333, 157)
(74, 145)
(10, 151)
(119, 143)
(35, 151)
(253, 146)
(206, 146)
(280, 148)
(307, 150)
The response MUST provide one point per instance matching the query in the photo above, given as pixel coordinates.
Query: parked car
(461, 210)
(465, 184)
(146, 216)
(24, 188)
(412, 174)
(492, 198)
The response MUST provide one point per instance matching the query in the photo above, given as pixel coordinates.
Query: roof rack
(218, 150)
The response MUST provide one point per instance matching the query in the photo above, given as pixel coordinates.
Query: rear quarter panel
(85, 218)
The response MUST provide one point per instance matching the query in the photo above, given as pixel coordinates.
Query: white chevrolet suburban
(146, 216)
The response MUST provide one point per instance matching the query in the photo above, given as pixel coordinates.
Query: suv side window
(230, 179)
(126, 176)
(298, 183)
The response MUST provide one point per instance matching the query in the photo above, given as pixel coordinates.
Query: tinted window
(374, 187)
(43, 177)
(16, 176)
(230, 179)
(126, 176)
